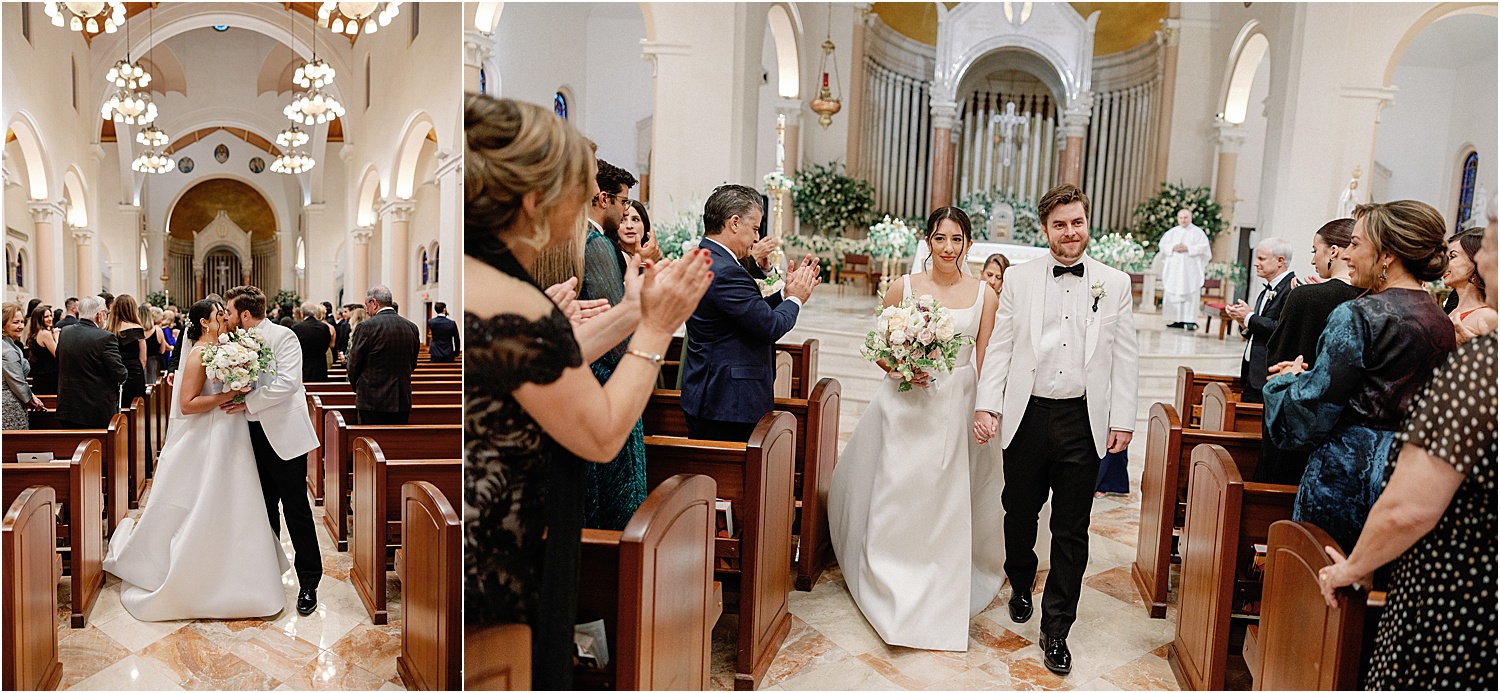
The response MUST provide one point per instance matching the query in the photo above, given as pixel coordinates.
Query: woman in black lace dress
(533, 412)
(122, 321)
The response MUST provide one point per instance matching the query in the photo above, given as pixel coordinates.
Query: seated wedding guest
(41, 351)
(1303, 317)
(70, 313)
(131, 338)
(89, 369)
(533, 412)
(314, 337)
(1471, 317)
(994, 271)
(382, 356)
(1375, 355)
(1436, 520)
(17, 396)
(1273, 257)
(634, 236)
(443, 333)
(149, 315)
(729, 366)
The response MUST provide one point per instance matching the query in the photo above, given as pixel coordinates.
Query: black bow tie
(1075, 270)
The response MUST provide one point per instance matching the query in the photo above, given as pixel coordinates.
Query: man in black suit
(444, 331)
(70, 313)
(1273, 259)
(729, 370)
(314, 337)
(381, 361)
(89, 370)
(341, 336)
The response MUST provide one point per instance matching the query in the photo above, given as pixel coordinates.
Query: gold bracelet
(655, 359)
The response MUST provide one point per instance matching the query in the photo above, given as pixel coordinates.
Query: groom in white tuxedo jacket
(1059, 384)
(282, 434)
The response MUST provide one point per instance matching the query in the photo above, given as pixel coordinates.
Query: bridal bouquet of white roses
(238, 359)
(918, 334)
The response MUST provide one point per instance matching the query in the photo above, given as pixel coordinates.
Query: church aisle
(334, 648)
(1115, 645)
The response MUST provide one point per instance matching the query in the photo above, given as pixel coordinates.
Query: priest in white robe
(1185, 253)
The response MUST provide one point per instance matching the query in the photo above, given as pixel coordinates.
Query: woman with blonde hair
(16, 397)
(356, 316)
(534, 413)
(123, 315)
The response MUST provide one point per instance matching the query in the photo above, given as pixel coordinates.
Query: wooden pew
(376, 502)
(409, 442)
(1190, 389)
(318, 406)
(652, 585)
(804, 370)
(817, 454)
(1301, 643)
(1164, 484)
(454, 384)
(30, 661)
(1222, 410)
(1226, 517)
(137, 423)
(115, 464)
(75, 483)
(756, 477)
(431, 582)
(782, 385)
(497, 658)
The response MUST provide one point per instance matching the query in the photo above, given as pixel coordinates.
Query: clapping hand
(670, 290)
(762, 250)
(566, 298)
(800, 281)
(1238, 310)
(1292, 367)
(1461, 332)
(650, 251)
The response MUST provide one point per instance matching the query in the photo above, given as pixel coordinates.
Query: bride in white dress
(914, 505)
(203, 547)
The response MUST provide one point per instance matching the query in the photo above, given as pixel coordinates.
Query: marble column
(1167, 38)
(83, 247)
(1229, 139)
(944, 116)
(395, 219)
(857, 98)
(450, 178)
(1075, 127)
(792, 109)
(198, 291)
(359, 265)
(45, 216)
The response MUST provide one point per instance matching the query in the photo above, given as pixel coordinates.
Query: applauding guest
(381, 361)
(16, 393)
(89, 369)
(1273, 257)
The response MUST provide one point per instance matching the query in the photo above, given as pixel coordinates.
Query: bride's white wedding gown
(203, 546)
(914, 507)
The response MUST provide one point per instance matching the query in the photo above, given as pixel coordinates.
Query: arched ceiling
(250, 137)
(201, 203)
(1122, 25)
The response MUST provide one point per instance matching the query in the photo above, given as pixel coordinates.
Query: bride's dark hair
(202, 310)
(959, 217)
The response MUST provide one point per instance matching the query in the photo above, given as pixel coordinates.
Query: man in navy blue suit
(729, 369)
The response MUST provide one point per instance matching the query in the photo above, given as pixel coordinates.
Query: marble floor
(1115, 645)
(334, 648)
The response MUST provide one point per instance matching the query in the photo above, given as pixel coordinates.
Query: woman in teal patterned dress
(615, 490)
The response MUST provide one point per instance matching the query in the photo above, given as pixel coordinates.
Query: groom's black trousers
(284, 483)
(1052, 451)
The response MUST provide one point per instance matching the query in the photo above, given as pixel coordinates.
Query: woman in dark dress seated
(122, 321)
(1375, 355)
(533, 412)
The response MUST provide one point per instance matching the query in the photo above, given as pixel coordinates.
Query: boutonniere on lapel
(1098, 292)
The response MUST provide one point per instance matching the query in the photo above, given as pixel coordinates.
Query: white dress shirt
(1260, 304)
(1060, 358)
(793, 299)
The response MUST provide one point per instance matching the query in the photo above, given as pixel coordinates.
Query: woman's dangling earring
(1383, 269)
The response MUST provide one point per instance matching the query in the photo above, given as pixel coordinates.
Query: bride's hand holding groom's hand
(986, 424)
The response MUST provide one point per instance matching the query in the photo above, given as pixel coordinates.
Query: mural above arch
(1122, 25)
(200, 204)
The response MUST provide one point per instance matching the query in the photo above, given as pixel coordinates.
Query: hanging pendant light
(128, 74)
(292, 137)
(314, 74)
(152, 162)
(86, 17)
(152, 137)
(313, 107)
(827, 102)
(292, 162)
(129, 107)
(350, 18)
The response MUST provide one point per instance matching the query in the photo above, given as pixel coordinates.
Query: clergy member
(1187, 254)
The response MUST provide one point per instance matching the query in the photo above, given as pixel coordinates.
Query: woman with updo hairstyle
(1373, 358)
(1471, 316)
(533, 413)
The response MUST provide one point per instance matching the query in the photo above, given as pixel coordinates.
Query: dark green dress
(613, 491)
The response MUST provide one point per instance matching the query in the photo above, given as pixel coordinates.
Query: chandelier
(349, 17)
(313, 107)
(152, 137)
(129, 107)
(152, 162)
(292, 137)
(315, 74)
(128, 74)
(88, 17)
(293, 162)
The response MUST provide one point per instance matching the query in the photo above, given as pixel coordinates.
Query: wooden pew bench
(652, 585)
(414, 441)
(114, 445)
(75, 479)
(804, 366)
(30, 661)
(424, 410)
(1222, 410)
(1190, 387)
(432, 583)
(454, 384)
(497, 658)
(1226, 518)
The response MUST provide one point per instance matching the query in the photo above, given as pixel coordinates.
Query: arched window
(1466, 189)
(21, 268)
(423, 260)
(10, 266)
(484, 82)
(436, 250)
(560, 105)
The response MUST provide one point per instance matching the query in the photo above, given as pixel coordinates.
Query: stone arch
(166, 223)
(487, 16)
(435, 255)
(364, 206)
(404, 170)
(23, 128)
(785, 25)
(1250, 47)
(1054, 32)
(1438, 13)
(78, 198)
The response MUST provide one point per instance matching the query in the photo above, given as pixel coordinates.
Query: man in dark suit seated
(70, 313)
(729, 370)
(314, 336)
(1273, 260)
(381, 361)
(444, 344)
(89, 370)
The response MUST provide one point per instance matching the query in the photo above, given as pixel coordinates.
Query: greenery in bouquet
(918, 334)
(776, 181)
(827, 200)
(286, 296)
(157, 298)
(1117, 250)
(891, 238)
(1158, 214)
(683, 233)
(238, 359)
(1026, 225)
(1232, 272)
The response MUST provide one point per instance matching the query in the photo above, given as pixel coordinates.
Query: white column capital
(478, 47)
(197, 266)
(792, 109)
(944, 114)
(362, 235)
(46, 211)
(397, 209)
(1169, 33)
(1075, 121)
(1230, 137)
(652, 51)
(83, 236)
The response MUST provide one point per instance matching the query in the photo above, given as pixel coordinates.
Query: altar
(981, 251)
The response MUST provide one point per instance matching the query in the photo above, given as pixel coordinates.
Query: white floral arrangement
(238, 359)
(891, 238)
(777, 182)
(819, 244)
(681, 235)
(1117, 250)
(1026, 225)
(919, 334)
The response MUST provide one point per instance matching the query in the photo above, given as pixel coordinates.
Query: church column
(359, 265)
(49, 280)
(1230, 137)
(450, 177)
(792, 135)
(1167, 38)
(1075, 126)
(478, 49)
(83, 247)
(855, 150)
(395, 217)
(944, 116)
(198, 292)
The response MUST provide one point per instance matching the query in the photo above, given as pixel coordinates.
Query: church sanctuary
(1229, 270)
(174, 173)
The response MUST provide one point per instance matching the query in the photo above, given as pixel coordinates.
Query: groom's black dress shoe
(307, 601)
(1020, 607)
(1055, 655)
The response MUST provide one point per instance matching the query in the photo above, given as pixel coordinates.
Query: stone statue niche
(1002, 220)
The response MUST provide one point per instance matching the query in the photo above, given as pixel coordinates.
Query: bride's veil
(182, 362)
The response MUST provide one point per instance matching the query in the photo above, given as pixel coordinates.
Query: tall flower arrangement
(829, 201)
(1118, 251)
(1158, 214)
(682, 234)
(891, 239)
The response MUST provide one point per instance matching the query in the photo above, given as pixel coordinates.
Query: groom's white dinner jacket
(279, 402)
(1110, 368)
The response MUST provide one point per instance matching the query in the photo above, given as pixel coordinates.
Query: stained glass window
(1466, 190)
(560, 105)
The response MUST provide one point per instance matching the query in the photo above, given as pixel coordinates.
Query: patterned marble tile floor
(1115, 645)
(334, 648)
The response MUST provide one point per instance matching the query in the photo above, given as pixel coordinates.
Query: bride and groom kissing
(206, 545)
